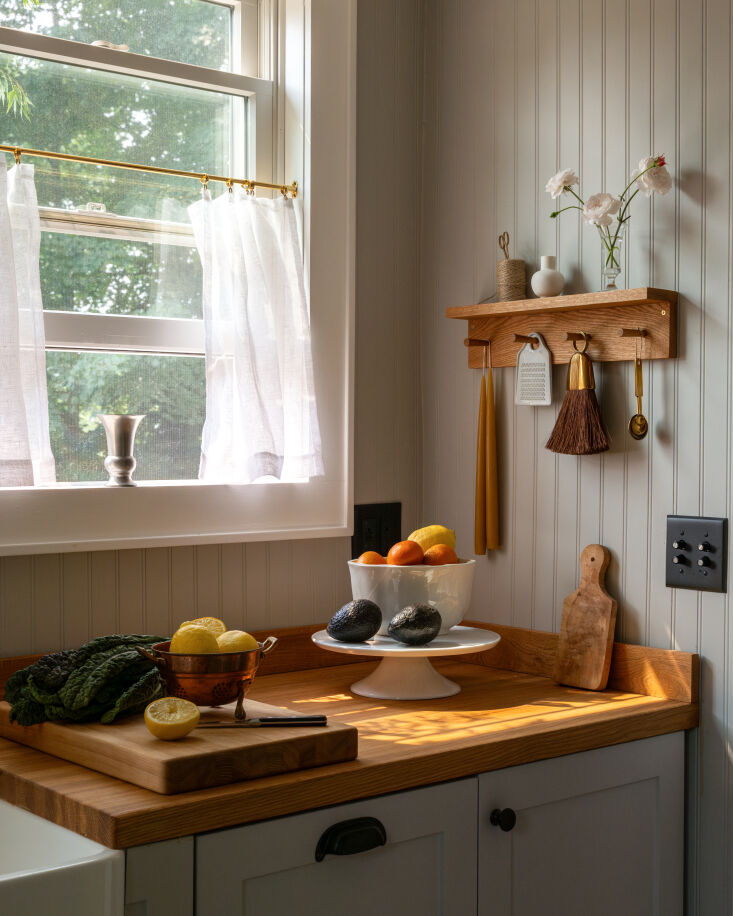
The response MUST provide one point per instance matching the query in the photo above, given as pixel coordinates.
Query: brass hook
(230, 185)
(17, 154)
(576, 337)
(205, 182)
(284, 191)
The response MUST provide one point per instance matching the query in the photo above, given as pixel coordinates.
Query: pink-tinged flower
(652, 176)
(561, 182)
(600, 209)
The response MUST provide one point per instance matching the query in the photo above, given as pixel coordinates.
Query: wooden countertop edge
(242, 803)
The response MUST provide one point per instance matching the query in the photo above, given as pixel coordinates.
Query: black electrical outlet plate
(377, 526)
(700, 559)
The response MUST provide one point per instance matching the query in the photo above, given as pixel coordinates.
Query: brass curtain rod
(19, 151)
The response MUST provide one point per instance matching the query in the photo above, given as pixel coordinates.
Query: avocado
(415, 625)
(356, 621)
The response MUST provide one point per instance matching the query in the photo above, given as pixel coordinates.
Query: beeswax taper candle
(479, 538)
(492, 473)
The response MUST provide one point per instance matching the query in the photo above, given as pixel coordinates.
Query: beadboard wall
(516, 89)
(63, 600)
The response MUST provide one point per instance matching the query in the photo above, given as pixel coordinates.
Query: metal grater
(534, 375)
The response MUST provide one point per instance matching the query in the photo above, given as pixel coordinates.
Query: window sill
(75, 517)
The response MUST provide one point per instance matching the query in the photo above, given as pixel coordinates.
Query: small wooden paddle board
(588, 622)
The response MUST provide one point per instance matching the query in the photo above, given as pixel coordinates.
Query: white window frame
(304, 129)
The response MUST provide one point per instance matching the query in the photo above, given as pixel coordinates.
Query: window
(120, 274)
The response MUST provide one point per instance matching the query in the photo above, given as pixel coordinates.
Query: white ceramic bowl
(446, 588)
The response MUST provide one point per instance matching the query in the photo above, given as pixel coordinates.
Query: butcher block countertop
(507, 714)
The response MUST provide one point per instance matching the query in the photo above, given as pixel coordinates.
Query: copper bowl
(208, 679)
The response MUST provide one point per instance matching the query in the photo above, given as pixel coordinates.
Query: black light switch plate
(377, 526)
(697, 553)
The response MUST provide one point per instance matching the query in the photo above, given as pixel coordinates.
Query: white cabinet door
(159, 879)
(596, 834)
(427, 867)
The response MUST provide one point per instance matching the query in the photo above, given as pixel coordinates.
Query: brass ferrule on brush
(580, 373)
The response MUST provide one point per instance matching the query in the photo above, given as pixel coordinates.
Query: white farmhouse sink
(46, 870)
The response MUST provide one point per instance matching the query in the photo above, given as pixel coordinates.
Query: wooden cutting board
(206, 757)
(588, 621)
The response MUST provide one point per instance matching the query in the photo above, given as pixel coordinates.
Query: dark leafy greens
(99, 681)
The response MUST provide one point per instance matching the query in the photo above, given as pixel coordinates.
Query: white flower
(557, 184)
(655, 177)
(600, 208)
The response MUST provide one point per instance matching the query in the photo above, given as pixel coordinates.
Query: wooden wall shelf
(602, 315)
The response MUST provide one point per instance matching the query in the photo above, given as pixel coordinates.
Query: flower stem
(636, 178)
(568, 188)
(570, 207)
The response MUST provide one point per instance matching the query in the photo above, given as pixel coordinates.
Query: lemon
(216, 626)
(171, 718)
(236, 641)
(193, 640)
(434, 534)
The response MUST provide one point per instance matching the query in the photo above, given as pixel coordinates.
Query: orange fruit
(372, 558)
(439, 555)
(405, 553)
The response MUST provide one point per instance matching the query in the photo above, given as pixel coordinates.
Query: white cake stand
(405, 672)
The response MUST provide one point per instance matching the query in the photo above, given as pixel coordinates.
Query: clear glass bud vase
(611, 241)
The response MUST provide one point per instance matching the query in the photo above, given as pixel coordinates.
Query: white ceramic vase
(548, 281)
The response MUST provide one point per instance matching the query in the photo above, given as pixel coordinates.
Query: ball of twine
(510, 280)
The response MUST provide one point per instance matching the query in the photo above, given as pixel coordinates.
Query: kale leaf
(101, 679)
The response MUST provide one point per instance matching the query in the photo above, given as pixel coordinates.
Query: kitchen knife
(264, 721)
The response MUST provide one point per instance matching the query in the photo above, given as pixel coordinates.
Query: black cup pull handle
(349, 837)
(505, 818)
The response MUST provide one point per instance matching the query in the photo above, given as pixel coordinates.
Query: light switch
(697, 553)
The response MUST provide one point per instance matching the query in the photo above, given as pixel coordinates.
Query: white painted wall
(515, 90)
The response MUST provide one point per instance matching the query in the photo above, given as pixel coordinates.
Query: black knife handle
(292, 720)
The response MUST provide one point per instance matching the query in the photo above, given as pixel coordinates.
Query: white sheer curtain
(25, 448)
(261, 417)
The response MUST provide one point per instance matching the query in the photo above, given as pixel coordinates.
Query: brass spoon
(638, 426)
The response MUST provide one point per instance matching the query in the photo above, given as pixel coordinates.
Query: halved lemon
(216, 626)
(171, 718)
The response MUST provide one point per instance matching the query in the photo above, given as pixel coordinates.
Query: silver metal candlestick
(120, 463)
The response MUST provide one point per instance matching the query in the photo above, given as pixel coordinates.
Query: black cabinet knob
(350, 837)
(704, 546)
(678, 559)
(680, 545)
(505, 818)
(703, 561)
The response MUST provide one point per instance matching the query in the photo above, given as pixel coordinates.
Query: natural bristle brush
(579, 428)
